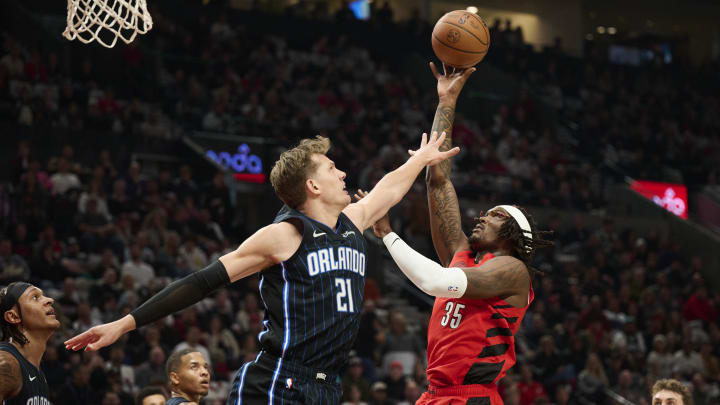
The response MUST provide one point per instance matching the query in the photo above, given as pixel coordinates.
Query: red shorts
(476, 394)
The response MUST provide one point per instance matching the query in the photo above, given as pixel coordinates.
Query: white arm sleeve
(427, 275)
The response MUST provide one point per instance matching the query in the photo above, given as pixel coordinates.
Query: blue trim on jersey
(264, 331)
(286, 337)
(265, 322)
(242, 382)
(242, 378)
(286, 288)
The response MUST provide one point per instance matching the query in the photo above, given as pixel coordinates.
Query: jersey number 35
(456, 315)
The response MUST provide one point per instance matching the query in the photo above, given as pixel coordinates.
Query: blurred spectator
(592, 381)
(352, 396)
(94, 193)
(250, 316)
(192, 341)
(698, 306)
(548, 362)
(192, 255)
(78, 389)
(111, 398)
(687, 361)
(140, 271)
(354, 380)
(95, 227)
(152, 371)
(528, 387)
(711, 369)
(12, 267)
(402, 347)
(628, 388)
(13, 62)
(64, 180)
(119, 202)
(223, 347)
(379, 394)
(85, 319)
(660, 362)
(124, 371)
(412, 393)
(395, 381)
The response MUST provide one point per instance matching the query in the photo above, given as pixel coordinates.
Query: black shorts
(270, 380)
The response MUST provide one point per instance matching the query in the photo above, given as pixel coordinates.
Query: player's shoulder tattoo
(10, 376)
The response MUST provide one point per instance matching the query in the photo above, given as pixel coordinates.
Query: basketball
(460, 39)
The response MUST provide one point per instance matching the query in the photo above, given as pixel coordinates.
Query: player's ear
(174, 379)
(312, 187)
(12, 316)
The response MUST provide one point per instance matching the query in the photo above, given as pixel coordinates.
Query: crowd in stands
(656, 121)
(614, 310)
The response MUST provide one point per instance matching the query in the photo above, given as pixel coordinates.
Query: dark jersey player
(189, 376)
(483, 286)
(27, 320)
(313, 293)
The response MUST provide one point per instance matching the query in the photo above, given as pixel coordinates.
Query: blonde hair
(673, 386)
(595, 367)
(292, 169)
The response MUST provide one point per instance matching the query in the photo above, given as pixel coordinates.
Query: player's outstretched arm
(268, 246)
(394, 185)
(500, 277)
(445, 227)
(10, 378)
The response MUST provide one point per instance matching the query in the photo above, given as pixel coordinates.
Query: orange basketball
(460, 39)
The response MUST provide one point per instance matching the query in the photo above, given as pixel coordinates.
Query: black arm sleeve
(181, 294)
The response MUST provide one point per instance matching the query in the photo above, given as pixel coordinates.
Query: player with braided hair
(27, 320)
(483, 286)
(524, 247)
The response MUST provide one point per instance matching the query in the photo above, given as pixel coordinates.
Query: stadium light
(612, 30)
(600, 29)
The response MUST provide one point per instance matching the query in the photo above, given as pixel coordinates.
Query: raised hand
(430, 152)
(100, 336)
(449, 84)
(382, 226)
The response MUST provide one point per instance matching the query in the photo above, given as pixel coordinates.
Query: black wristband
(181, 294)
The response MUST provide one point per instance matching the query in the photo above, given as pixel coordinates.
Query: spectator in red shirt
(698, 306)
(530, 390)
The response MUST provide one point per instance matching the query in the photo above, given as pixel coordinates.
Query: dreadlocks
(523, 247)
(9, 331)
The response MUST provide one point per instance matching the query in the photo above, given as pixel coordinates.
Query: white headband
(519, 217)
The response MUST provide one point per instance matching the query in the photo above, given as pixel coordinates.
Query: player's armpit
(502, 277)
(10, 377)
(268, 246)
(445, 223)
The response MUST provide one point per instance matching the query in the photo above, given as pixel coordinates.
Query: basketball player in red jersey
(483, 286)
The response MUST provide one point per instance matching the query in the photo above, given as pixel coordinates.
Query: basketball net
(105, 21)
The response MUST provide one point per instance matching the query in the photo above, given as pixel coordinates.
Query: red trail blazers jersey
(472, 341)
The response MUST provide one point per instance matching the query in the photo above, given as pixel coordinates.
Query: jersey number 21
(344, 294)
